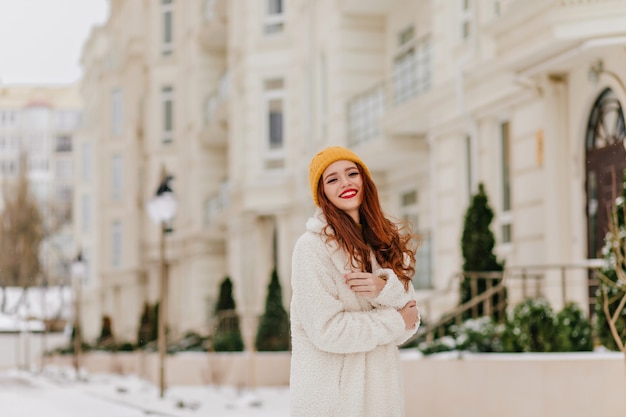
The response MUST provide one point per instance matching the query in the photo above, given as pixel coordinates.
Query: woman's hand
(365, 284)
(410, 315)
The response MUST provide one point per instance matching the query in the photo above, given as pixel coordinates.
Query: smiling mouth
(348, 194)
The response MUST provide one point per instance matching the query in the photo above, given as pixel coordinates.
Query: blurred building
(234, 97)
(41, 123)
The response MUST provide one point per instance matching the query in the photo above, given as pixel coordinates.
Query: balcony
(369, 112)
(216, 210)
(367, 7)
(530, 32)
(214, 30)
(215, 130)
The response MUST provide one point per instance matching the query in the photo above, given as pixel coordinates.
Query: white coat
(344, 347)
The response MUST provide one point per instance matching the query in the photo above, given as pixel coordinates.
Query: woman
(352, 297)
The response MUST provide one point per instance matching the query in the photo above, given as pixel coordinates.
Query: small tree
(227, 336)
(610, 307)
(477, 244)
(21, 234)
(273, 332)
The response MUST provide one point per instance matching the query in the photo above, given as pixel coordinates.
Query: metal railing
(490, 292)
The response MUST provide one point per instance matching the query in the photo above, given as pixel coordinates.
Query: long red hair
(377, 233)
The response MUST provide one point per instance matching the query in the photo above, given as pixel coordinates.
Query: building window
(274, 20)
(409, 212)
(411, 70)
(209, 9)
(64, 169)
(64, 193)
(116, 112)
(364, 114)
(86, 213)
(37, 164)
(274, 105)
(87, 260)
(116, 247)
(116, 177)
(86, 161)
(167, 100)
(67, 120)
(465, 19)
(167, 10)
(505, 138)
(63, 144)
(323, 96)
(469, 166)
(8, 118)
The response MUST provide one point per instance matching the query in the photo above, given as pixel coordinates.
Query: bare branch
(607, 313)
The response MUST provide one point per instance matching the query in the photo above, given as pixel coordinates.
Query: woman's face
(343, 185)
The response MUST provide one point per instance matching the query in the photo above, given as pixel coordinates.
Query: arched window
(605, 163)
(606, 122)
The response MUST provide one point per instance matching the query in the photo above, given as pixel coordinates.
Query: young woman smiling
(352, 301)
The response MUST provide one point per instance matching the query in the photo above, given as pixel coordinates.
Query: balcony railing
(217, 204)
(218, 97)
(412, 77)
(364, 114)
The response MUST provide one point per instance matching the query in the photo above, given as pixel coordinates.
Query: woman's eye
(353, 173)
(331, 180)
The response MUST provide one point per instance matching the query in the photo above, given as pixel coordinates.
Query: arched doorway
(605, 165)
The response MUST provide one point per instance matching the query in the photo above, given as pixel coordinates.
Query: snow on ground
(132, 393)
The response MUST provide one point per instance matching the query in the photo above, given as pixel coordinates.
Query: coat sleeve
(408, 333)
(326, 322)
(394, 295)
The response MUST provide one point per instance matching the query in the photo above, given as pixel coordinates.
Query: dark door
(605, 165)
(605, 172)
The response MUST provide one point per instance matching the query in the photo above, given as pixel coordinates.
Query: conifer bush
(477, 246)
(273, 332)
(227, 336)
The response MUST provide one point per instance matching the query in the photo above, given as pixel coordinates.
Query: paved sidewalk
(58, 393)
(22, 395)
(192, 400)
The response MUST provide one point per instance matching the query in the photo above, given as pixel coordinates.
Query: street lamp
(161, 209)
(78, 272)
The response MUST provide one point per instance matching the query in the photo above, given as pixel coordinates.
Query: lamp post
(78, 274)
(161, 209)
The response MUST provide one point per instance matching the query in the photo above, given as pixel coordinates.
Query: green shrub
(442, 344)
(227, 342)
(477, 335)
(125, 347)
(191, 342)
(530, 328)
(573, 330)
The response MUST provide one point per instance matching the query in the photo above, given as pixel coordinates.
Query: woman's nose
(343, 181)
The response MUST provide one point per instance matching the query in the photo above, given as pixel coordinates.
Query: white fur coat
(344, 347)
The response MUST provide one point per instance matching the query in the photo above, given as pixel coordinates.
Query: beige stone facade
(436, 96)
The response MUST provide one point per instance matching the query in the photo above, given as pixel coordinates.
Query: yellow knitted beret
(324, 158)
